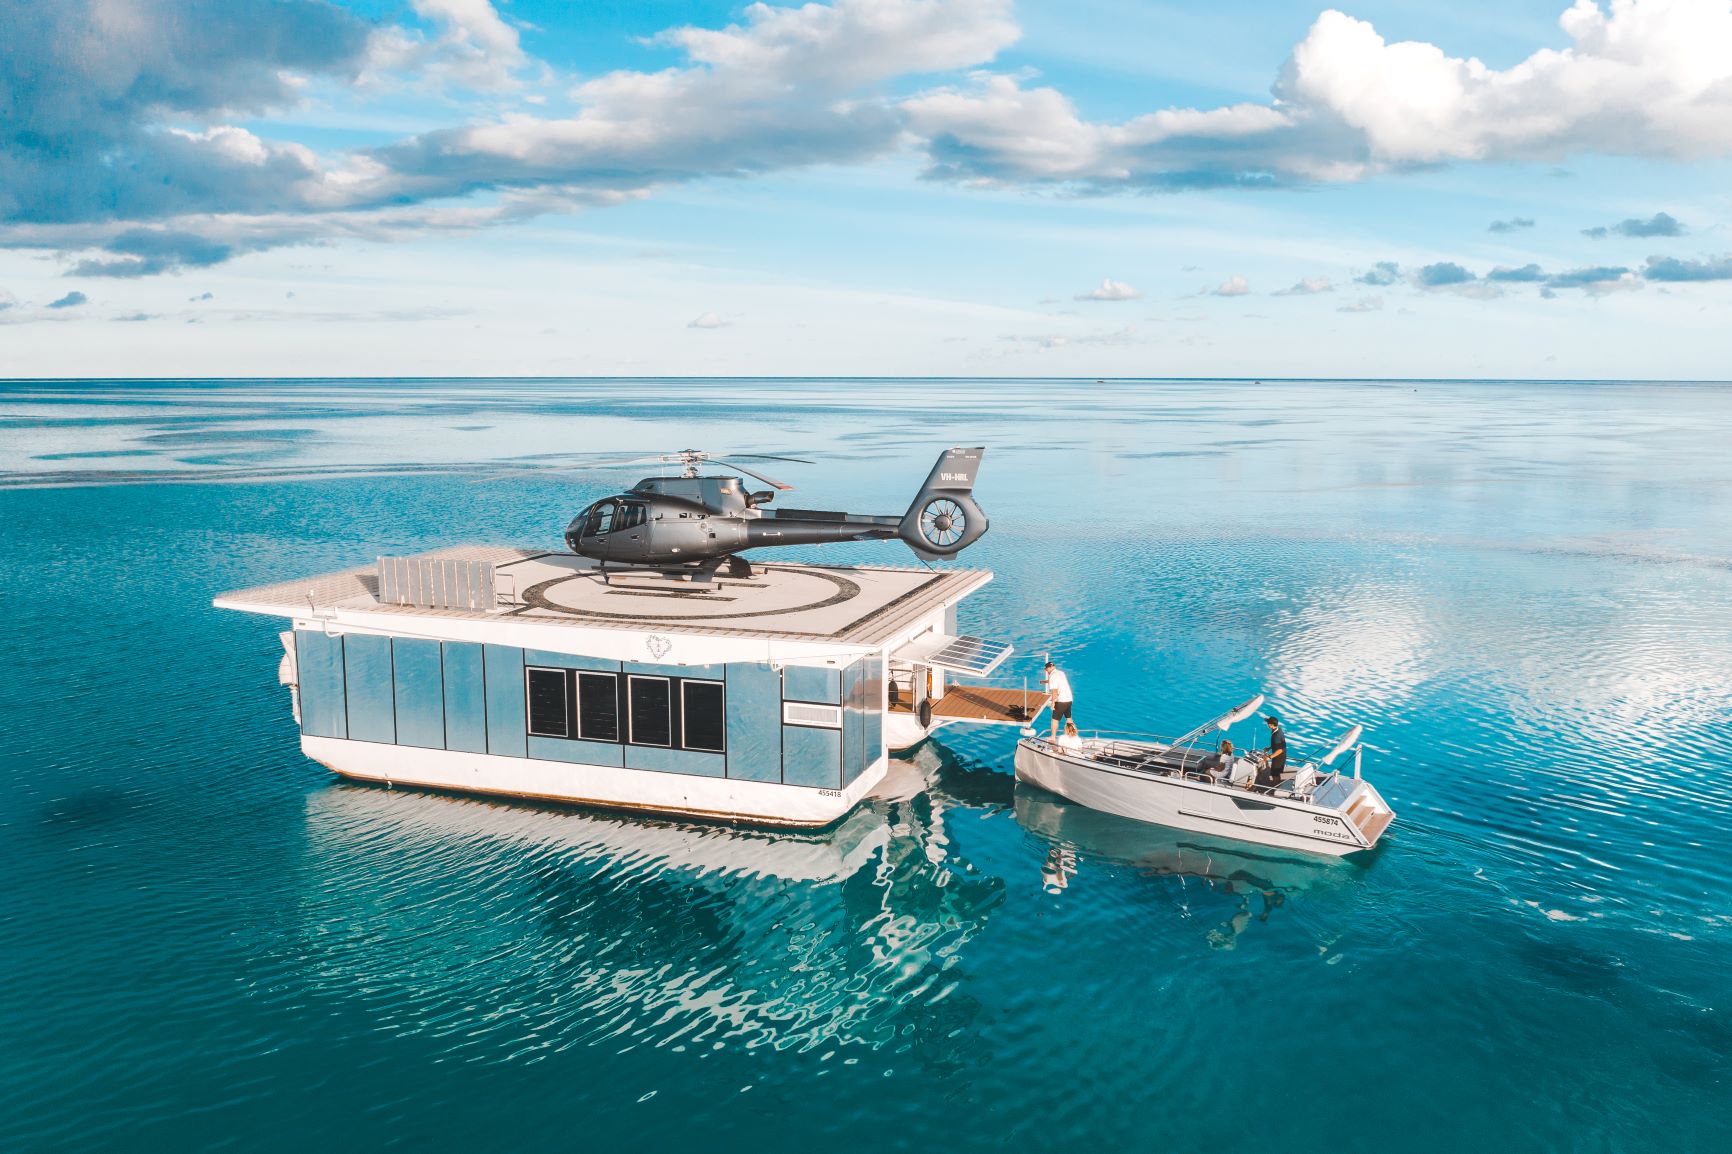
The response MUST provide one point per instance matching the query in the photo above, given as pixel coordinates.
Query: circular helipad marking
(786, 591)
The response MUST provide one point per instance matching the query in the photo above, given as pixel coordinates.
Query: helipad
(860, 605)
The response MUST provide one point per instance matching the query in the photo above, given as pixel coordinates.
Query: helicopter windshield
(601, 517)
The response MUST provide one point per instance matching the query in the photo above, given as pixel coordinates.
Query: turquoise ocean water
(1523, 591)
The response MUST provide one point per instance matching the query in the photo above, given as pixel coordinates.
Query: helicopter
(692, 526)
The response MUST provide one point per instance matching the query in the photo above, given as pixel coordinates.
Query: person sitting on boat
(1070, 739)
(1274, 766)
(1058, 688)
(1218, 763)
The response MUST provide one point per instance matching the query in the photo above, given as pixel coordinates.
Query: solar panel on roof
(970, 655)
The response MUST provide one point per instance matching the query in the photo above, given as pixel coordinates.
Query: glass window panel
(651, 711)
(704, 722)
(547, 713)
(601, 520)
(598, 706)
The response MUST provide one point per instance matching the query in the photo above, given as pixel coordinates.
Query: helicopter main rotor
(690, 460)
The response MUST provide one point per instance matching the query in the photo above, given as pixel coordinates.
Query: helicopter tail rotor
(944, 520)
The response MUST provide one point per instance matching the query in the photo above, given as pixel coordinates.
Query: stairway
(1370, 820)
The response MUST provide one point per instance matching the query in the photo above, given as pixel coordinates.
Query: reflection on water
(622, 931)
(1520, 591)
(1200, 872)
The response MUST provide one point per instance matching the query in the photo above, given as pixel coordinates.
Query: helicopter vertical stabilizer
(943, 519)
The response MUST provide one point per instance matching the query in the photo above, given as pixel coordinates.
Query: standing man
(1275, 765)
(1058, 688)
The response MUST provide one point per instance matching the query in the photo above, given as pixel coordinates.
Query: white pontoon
(1315, 808)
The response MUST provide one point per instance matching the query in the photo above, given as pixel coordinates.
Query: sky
(1110, 188)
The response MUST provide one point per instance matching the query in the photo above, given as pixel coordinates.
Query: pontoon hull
(608, 787)
(1223, 811)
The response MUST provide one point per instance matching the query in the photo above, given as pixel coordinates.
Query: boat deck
(986, 704)
(856, 604)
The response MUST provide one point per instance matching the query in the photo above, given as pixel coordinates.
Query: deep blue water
(1521, 590)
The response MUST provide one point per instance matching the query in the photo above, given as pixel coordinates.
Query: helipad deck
(855, 605)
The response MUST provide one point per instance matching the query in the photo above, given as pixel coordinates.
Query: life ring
(924, 713)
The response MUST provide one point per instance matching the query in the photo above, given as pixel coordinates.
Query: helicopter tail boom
(942, 521)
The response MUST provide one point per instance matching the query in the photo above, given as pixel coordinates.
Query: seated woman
(1217, 763)
(1069, 739)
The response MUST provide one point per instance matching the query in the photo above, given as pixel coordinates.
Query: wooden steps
(1368, 819)
(1373, 829)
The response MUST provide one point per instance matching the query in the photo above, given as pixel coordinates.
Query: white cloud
(780, 91)
(1110, 290)
(786, 88)
(122, 148)
(845, 44)
(998, 131)
(1361, 305)
(474, 48)
(1641, 78)
(1307, 286)
(707, 321)
(1233, 286)
(1649, 77)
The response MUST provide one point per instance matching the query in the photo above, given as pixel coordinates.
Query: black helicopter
(691, 526)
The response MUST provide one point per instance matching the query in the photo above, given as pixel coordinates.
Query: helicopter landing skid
(699, 577)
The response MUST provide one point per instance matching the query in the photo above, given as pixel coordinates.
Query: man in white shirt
(1058, 688)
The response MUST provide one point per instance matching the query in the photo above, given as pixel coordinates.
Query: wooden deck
(988, 705)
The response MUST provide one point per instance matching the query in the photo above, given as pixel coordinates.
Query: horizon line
(791, 378)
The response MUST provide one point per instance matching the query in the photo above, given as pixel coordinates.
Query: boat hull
(610, 787)
(1223, 811)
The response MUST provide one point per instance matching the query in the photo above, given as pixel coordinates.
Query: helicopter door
(596, 539)
(630, 533)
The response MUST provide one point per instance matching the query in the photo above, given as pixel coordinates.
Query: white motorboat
(1315, 808)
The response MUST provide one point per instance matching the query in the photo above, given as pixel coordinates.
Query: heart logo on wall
(657, 645)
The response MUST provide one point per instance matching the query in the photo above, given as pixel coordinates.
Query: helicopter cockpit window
(601, 519)
(631, 515)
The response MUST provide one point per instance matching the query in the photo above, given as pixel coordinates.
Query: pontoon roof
(854, 604)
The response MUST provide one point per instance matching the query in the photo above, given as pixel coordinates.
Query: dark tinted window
(630, 517)
(547, 716)
(651, 716)
(704, 725)
(598, 706)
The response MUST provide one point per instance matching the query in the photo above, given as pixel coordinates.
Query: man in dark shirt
(1275, 764)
